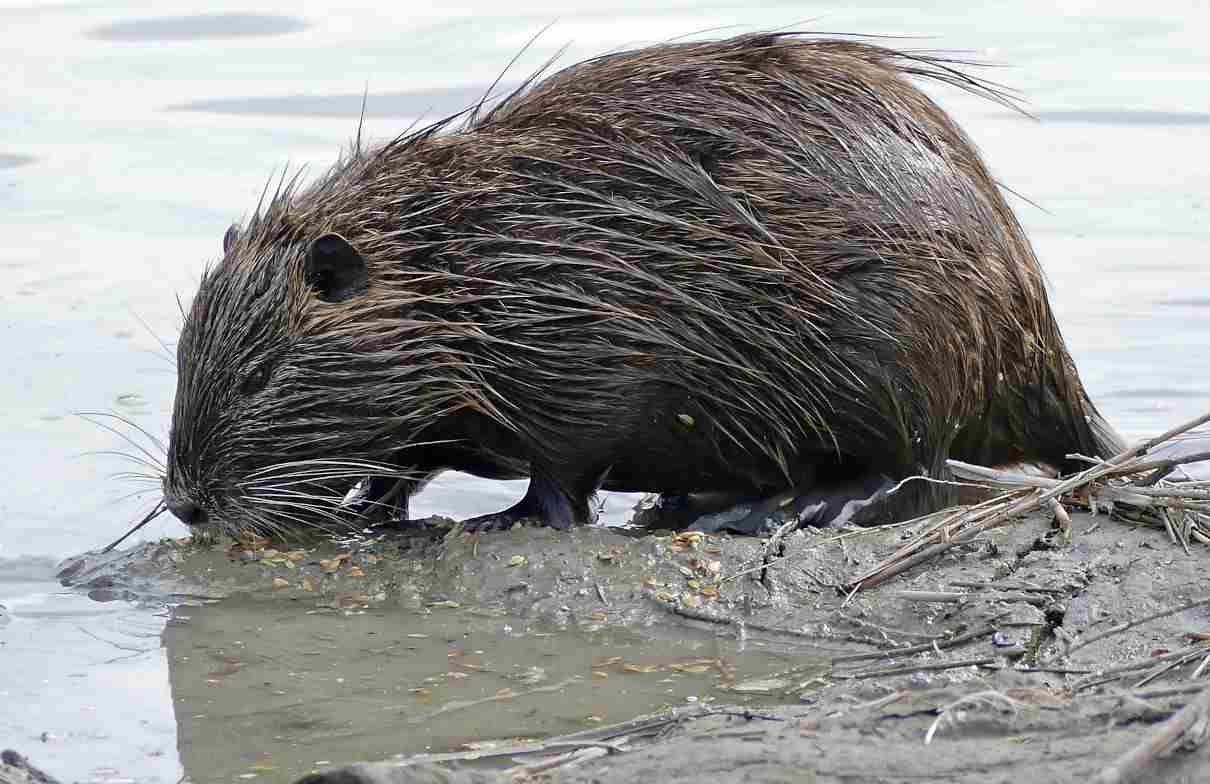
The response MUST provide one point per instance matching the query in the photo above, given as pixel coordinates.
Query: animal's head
(284, 401)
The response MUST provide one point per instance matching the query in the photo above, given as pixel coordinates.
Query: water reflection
(198, 26)
(429, 102)
(1124, 117)
(85, 684)
(277, 690)
(11, 161)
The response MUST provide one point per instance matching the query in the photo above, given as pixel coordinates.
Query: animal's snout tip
(186, 511)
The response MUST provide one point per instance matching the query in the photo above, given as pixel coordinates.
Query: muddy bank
(292, 658)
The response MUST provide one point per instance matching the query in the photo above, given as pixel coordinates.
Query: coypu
(767, 267)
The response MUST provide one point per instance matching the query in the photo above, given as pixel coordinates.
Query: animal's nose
(187, 511)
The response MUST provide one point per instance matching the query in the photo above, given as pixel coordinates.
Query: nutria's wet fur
(750, 265)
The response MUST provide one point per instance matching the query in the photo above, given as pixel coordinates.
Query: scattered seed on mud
(691, 600)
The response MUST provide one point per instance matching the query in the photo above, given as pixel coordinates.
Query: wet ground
(133, 137)
(285, 661)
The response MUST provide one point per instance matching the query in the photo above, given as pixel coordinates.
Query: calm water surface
(134, 134)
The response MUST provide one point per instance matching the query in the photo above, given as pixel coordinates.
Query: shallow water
(290, 692)
(131, 139)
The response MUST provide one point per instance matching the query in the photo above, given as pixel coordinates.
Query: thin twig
(1121, 627)
(887, 672)
(934, 645)
(1114, 673)
(1167, 667)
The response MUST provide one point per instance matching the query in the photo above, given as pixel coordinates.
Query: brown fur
(746, 265)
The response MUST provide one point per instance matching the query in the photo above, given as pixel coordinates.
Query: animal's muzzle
(186, 510)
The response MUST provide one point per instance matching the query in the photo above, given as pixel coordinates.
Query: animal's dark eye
(256, 380)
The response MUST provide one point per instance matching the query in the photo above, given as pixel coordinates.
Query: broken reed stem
(1164, 467)
(1041, 491)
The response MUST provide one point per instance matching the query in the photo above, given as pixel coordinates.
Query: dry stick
(890, 671)
(569, 760)
(1121, 627)
(1027, 504)
(1154, 694)
(908, 556)
(1149, 694)
(1165, 467)
(958, 597)
(1174, 432)
(1156, 464)
(1141, 496)
(1132, 764)
(988, 585)
(950, 517)
(1180, 661)
(1150, 498)
(935, 596)
(878, 575)
(727, 620)
(609, 737)
(893, 653)
(1114, 673)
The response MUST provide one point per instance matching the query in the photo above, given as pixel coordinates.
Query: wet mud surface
(450, 648)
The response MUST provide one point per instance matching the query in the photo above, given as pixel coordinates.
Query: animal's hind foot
(545, 502)
(856, 501)
(499, 521)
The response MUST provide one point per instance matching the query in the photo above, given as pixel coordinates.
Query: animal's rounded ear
(335, 270)
(230, 238)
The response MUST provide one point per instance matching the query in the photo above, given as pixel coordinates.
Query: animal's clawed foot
(545, 502)
(499, 521)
